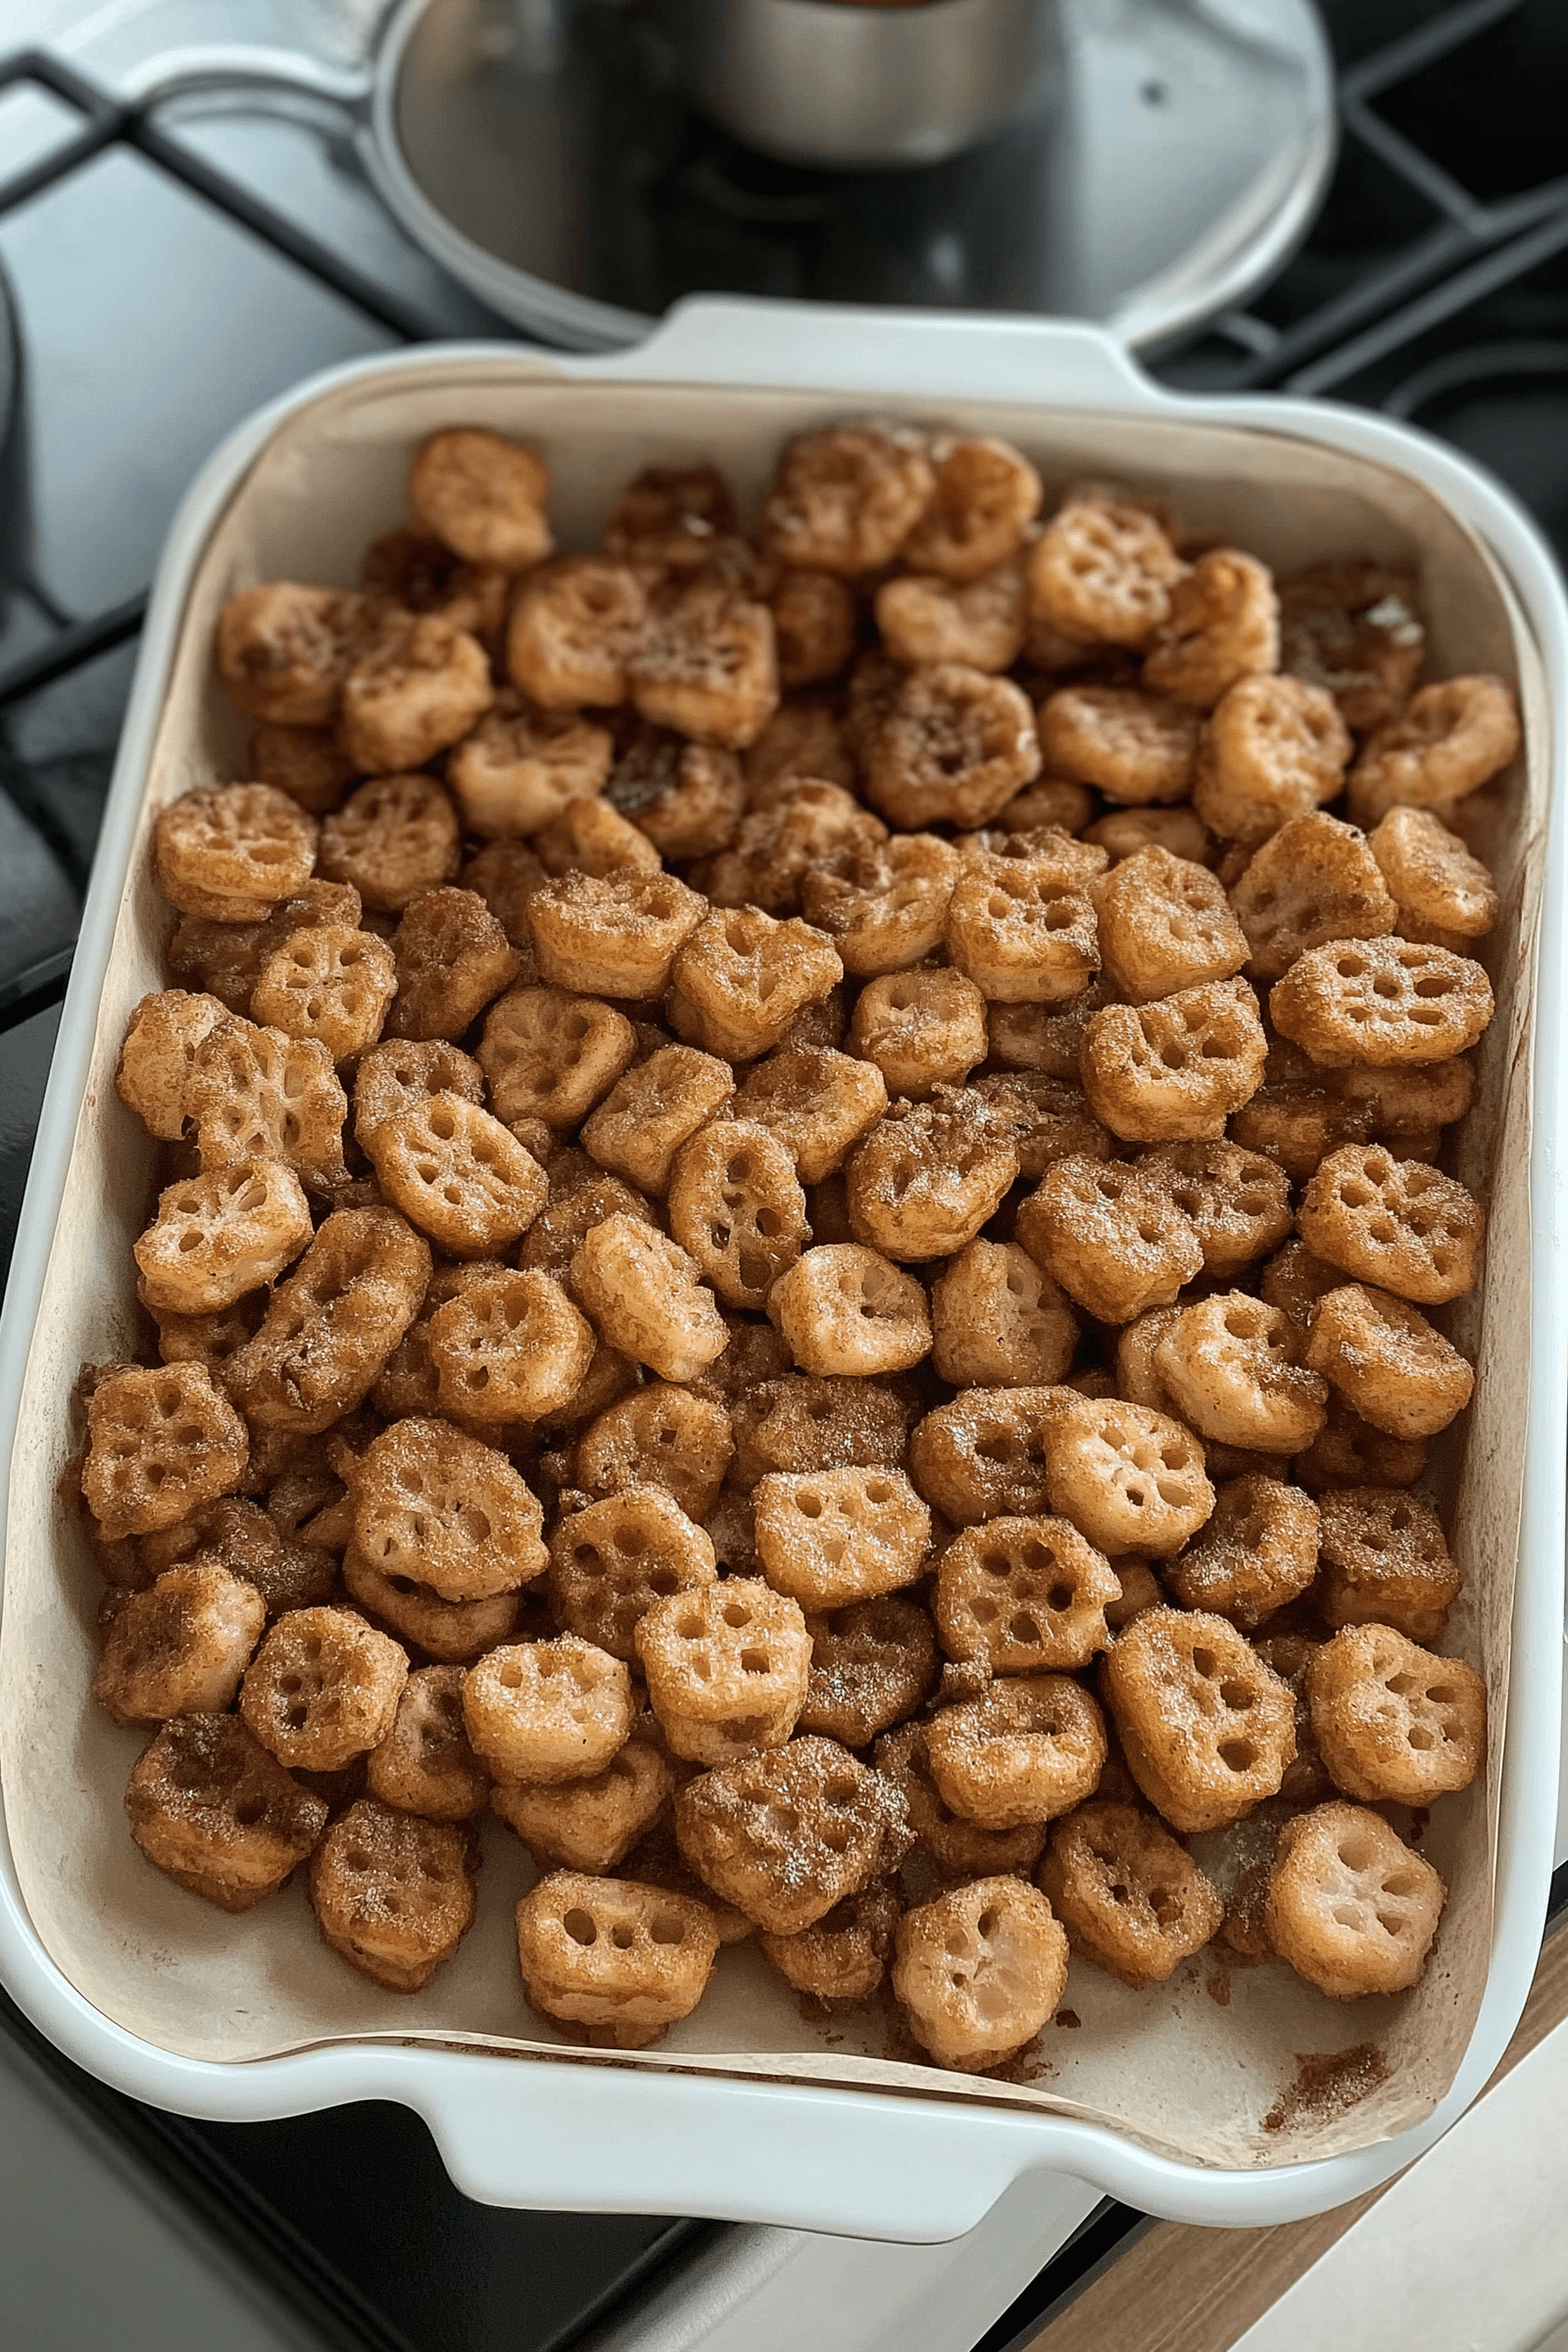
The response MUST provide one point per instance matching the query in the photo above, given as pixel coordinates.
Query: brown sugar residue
(1068, 2017)
(1328, 2083)
(1218, 1985)
(1024, 2066)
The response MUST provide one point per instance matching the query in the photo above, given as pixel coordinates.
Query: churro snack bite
(434, 1504)
(979, 1971)
(645, 1298)
(956, 1847)
(330, 984)
(1386, 1561)
(557, 1233)
(843, 1309)
(590, 836)
(615, 935)
(1029, 1749)
(784, 1837)
(458, 1174)
(706, 665)
(1400, 1225)
(179, 1647)
(1354, 628)
(928, 1176)
(226, 958)
(802, 739)
(393, 1895)
(1125, 831)
(816, 1102)
(1393, 1722)
(1135, 748)
(925, 617)
(331, 1328)
(1140, 1589)
(653, 1110)
(551, 1056)
(1441, 890)
(230, 850)
(1314, 881)
(1350, 1452)
(736, 1206)
(1207, 1728)
(956, 745)
(1386, 1000)
(802, 824)
(450, 1630)
(418, 688)
(1409, 1107)
(983, 1454)
(1129, 1894)
(872, 1664)
(985, 496)
(727, 1666)
(574, 627)
(263, 1549)
(217, 1237)
(452, 957)
(613, 1962)
(1273, 748)
(921, 1030)
(843, 1957)
(1048, 1120)
(1102, 571)
(1165, 924)
(1388, 1362)
(884, 904)
(1257, 1551)
(285, 650)
(1112, 1236)
(1232, 1366)
(323, 1688)
(591, 1824)
(426, 1764)
(394, 837)
(1223, 627)
(509, 1346)
(746, 975)
(686, 798)
(1350, 1906)
(519, 766)
(159, 1058)
(216, 1813)
(1176, 1069)
(1130, 1478)
(255, 1094)
(801, 1423)
(548, 1711)
(670, 518)
(1238, 1202)
(846, 498)
(1024, 928)
(1044, 1039)
(160, 1444)
(813, 627)
(833, 1536)
(663, 1435)
(612, 1561)
(1023, 1595)
(1450, 740)
(483, 494)
(998, 1321)
(421, 573)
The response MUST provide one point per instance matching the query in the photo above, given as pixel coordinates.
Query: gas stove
(166, 263)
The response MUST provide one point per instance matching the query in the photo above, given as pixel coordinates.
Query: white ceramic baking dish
(551, 2132)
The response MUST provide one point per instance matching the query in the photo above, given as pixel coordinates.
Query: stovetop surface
(183, 272)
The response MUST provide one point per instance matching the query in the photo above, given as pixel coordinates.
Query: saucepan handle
(250, 71)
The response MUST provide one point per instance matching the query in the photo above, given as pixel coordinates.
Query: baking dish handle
(718, 339)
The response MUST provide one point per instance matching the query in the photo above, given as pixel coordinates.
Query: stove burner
(1505, 405)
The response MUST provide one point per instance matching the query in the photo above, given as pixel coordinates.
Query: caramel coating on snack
(747, 975)
(1434, 880)
(984, 1453)
(231, 851)
(955, 745)
(998, 1321)
(1231, 1364)
(458, 1174)
(181, 1648)
(1176, 1069)
(1386, 1561)
(1353, 628)
(737, 1209)
(323, 1688)
(664, 1436)
(819, 1103)
(613, 1561)
(332, 984)
(1101, 570)
(519, 766)
(844, 1308)
(1113, 1237)
(985, 495)
(255, 1094)
(434, 1504)
(921, 1030)
(1384, 1001)
(843, 1957)
(215, 1812)
(450, 1630)
(1130, 1478)
(592, 1823)
(1130, 1897)
(883, 903)
(1399, 1225)
(831, 1537)
(674, 518)
(1134, 747)
(1257, 1551)
(1450, 740)
(1350, 1906)
(394, 837)
(551, 1056)
(548, 1711)
(617, 1961)
(393, 1895)
(653, 1110)
(843, 500)
(1223, 628)
(1021, 920)
(510, 1346)
(394, 1076)
(872, 1664)
(786, 1836)
(416, 689)
(726, 1667)
(157, 1059)
(927, 1177)
(484, 495)
(452, 958)
(217, 1237)
(1030, 1749)
(1207, 1728)
(1388, 1361)
(160, 1445)
(1024, 1595)
(1392, 1721)
(426, 1764)
(332, 1325)
(1165, 924)
(979, 1971)
(1312, 882)
(645, 1296)
(285, 650)
(615, 935)
(925, 617)
(707, 664)
(801, 1423)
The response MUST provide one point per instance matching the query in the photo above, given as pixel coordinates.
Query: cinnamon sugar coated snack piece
(620, 1960)
(393, 1895)
(210, 1808)
(1130, 1897)
(979, 1971)
(1350, 1905)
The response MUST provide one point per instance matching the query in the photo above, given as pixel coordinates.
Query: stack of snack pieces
(797, 1247)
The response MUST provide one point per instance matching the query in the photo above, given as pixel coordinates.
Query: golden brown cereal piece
(706, 665)
(323, 1688)
(452, 958)
(331, 1327)
(1274, 749)
(519, 766)
(483, 494)
(1298, 1126)
(1140, 1589)
(726, 1667)
(261, 1547)
(803, 823)
(1126, 831)
(1400, 1225)
(645, 1298)
(433, 1504)
(920, 1029)
(1047, 1119)
(1024, 1595)
(1207, 1728)
(1130, 1478)
(1223, 626)
(979, 1971)
(160, 1444)
(1023, 928)
(1350, 1906)
(984, 1453)
(737, 1209)
(998, 1321)
(785, 1836)
(798, 1423)
(841, 1958)
(672, 518)
(614, 935)
(452, 1630)
(1112, 1236)
(422, 575)
(1130, 1897)
(884, 904)
(686, 798)
(1435, 881)
(548, 1711)
(1258, 1552)
(925, 617)
(1051, 800)
(179, 1647)
(1028, 1750)
(1409, 1107)
(1165, 924)
(871, 1666)
(551, 1056)
(255, 1094)
(1295, 1280)
(813, 627)
(557, 1234)
(213, 1810)
(510, 1347)
(231, 851)
(1231, 1365)
(747, 976)
(458, 1174)
(391, 839)
(928, 1176)
(1450, 740)
(393, 1076)
(573, 628)
(1386, 1561)
(844, 499)
(754, 1355)
(591, 1824)
(330, 984)
(613, 1962)
(591, 837)
(955, 745)
(1350, 1452)
(217, 1237)
(613, 1561)
(986, 496)
(1239, 1203)
(284, 650)
(817, 1103)
(1392, 1721)
(1136, 1378)
(1047, 1039)
(958, 1849)
(1101, 570)
(226, 958)
(393, 1895)
(425, 1765)
(419, 687)
(1313, 881)
(664, 1435)
(802, 739)
(159, 1055)
(1353, 627)
(1175, 1070)
(653, 1110)
(1386, 1000)
(1135, 747)
(834, 1537)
